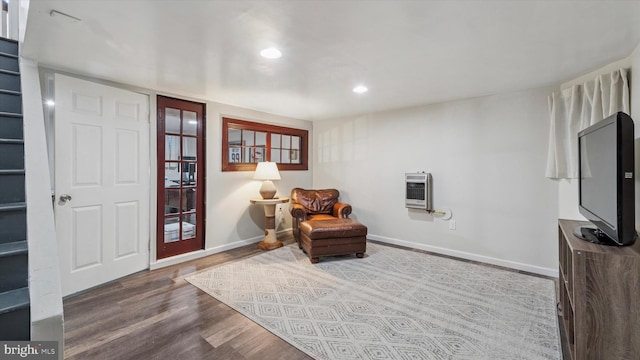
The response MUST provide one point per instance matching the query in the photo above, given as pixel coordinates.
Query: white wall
(487, 156)
(230, 217)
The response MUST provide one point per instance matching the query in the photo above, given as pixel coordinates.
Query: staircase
(15, 318)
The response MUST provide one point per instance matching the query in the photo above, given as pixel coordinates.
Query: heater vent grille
(418, 191)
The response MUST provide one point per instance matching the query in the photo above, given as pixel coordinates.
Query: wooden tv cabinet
(599, 296)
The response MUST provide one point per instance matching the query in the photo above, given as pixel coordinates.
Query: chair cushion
(332, 228)
(321, 217)
(315, 201)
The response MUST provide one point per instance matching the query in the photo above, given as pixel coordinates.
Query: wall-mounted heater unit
(419, 191)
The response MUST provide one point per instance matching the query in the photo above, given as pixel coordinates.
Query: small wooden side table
(270, 241)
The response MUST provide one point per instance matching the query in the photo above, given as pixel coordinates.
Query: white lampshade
(266, 171)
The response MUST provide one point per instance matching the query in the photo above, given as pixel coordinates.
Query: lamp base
(265, 245)
(268, 190)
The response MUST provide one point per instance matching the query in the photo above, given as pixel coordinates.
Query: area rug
(392, 304)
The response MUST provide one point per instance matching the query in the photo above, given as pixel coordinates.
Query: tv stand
(599, 295)
(594, 235)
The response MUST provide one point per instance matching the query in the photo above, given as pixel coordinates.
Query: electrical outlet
(452, 224)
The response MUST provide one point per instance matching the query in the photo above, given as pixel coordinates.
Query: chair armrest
(341, 210)
(298, 212)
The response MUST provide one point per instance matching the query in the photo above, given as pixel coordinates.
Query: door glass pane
(171, 201)
(172, 120)
(172, 147)
(275, 141)
(189, 148)
(171, 174)
(189, 123)
(171, 229)
(247, 137)
(188, 226)
(275, 155)
(295, 142)
(189, 174)
(189, 201)
(286, 142)
(261, 139)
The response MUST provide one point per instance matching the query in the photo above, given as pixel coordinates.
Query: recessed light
(271, 53)
(50, 103)
(360, 89)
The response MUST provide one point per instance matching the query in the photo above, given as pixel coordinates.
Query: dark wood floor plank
(158, 315)
(226, 329)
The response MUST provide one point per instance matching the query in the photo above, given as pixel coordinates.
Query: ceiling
(407, 53)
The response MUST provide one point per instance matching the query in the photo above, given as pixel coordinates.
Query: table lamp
(267, 171)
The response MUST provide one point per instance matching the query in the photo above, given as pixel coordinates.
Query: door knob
(64, 198)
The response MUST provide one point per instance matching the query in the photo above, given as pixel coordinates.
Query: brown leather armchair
(316, 205)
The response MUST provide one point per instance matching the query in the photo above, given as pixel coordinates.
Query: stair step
(13, 222)
(15, 315)
(12, 151)
(14, 271)
(14, 300)
(10, 101)
(11, 172)
(13, 206)
(13, 187)
(9, 55)
(9, 62)
(10, 114)
(13, 248)
(9, 46)
(9, 72)
(10, 92)
(11, 126)
(9, 80)
(11, 141)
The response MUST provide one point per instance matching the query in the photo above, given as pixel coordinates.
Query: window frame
(236, 124)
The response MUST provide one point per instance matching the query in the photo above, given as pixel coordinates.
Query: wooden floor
(158, 315)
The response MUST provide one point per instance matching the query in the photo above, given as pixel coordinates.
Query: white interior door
(101, 182)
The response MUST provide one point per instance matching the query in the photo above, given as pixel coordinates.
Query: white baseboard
(435, 249)
(210, 251)
(468, 256)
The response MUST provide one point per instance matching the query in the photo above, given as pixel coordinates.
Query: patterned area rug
(392, 304)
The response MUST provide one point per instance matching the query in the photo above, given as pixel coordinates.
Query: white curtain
(576, 108)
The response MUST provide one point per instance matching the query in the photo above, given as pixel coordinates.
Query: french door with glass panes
(180, 177)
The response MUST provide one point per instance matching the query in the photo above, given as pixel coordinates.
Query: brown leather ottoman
(332, 237)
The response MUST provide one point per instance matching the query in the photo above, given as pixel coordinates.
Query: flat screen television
(606, 181)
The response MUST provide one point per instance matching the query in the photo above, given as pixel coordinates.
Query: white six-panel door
(101, 182)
